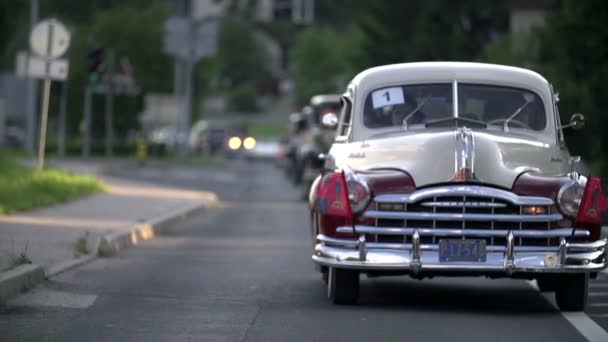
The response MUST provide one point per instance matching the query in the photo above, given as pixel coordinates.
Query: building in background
(527, 14)
(298, 11)
(13, 107)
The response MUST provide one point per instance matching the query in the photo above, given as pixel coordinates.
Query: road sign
(56, 70)
(50, 39)
(191, 39)
(29, 66)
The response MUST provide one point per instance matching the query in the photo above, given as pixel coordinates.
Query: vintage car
(317, 140)
(455, 169)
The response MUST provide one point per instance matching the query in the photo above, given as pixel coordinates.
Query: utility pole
(32, 91)
(86, 138)
(61, 129)
(109, 87)
(187, 105)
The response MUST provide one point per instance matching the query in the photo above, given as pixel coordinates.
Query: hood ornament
(464, 155)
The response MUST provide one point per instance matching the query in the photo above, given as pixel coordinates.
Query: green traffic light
(93, 78)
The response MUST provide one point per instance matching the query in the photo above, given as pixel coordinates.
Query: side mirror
(330, 120)
(577, 121)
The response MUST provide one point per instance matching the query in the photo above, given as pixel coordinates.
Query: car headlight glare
(249, 143)
(234, 143)
(569, 198)
(359, 194)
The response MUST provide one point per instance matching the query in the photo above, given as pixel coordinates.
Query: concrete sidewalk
(128, 212)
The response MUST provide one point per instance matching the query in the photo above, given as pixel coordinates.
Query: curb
(67, 265)
(115, 242)
(19, 280)
(25, 277)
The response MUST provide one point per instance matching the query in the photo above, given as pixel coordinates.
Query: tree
(320, 62)
(131, 32)
(408, 31)
(574, 54)
(242, 61)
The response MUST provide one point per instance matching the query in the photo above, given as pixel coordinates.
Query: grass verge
(22, 188)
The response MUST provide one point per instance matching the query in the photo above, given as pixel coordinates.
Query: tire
(571, 292)
(546, 284)
(325, 275)
(343, 286)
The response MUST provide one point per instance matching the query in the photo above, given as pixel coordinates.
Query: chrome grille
(466, 208)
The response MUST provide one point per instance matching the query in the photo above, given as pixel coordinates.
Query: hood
(458, 154)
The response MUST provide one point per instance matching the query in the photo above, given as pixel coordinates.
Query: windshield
(424, 105)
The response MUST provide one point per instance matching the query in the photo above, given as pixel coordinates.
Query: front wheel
(343, 286)
(546, 283)
(571, 292)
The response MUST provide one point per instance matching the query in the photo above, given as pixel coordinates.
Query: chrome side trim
(338, 242)
(551, 233)
(455, 98)
(435, 247)
(510, 259)
(430, 216)
(467, 204)
(463, 190)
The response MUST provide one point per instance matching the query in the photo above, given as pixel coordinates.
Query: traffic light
(96, 67)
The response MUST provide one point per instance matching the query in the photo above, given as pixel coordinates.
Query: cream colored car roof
(435, 72)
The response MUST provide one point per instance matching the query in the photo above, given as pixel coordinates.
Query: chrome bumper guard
(418, 258)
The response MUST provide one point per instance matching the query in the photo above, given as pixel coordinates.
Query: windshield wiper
(404, 124)
(440, 122)
(529, 99)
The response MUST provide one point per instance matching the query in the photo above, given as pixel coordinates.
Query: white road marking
(579, 320)
(599, 315)
(598, 305)
(47, 297)
(586, 326)
(598, 294)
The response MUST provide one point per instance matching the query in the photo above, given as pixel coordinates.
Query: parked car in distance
(456, 169)
(316, 141)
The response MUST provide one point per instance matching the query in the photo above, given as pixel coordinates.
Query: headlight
(359, 194)
(234, 143)
(569, 197)
(249, 143)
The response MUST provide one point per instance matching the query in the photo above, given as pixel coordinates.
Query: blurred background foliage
(570, 50)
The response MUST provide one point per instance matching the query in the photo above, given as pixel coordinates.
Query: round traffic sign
(50, 39)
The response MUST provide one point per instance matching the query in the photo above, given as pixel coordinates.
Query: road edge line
(585, 326)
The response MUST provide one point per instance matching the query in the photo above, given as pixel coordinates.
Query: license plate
(462, 250)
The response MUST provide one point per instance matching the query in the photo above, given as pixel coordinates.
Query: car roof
(325, 98)
(447, 71)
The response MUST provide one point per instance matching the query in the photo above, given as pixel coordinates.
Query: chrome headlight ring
(359, 194)
(570, 195)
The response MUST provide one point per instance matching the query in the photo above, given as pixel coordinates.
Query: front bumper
(417, 258)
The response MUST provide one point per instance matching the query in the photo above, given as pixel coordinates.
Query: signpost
(190, 40)
(49, 40)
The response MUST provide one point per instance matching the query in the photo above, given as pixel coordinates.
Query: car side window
(345, 119)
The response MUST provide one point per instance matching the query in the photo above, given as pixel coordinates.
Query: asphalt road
(242, 272)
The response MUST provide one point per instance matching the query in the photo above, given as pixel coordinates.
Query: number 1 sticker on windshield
(387, 97)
